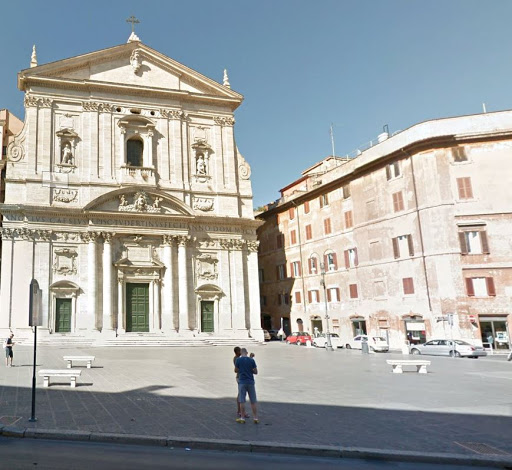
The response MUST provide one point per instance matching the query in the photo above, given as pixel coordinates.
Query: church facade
(128, 201)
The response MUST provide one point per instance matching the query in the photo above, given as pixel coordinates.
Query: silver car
(445, 347)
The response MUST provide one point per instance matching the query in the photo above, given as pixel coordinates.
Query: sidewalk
(327, 402)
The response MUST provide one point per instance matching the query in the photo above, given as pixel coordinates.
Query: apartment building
(398, 241)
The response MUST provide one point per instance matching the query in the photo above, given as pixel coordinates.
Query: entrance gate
(62, 315)
(207, 316)
(137, 307)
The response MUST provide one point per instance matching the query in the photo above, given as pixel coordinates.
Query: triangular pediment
(129, 65)
(139, 201)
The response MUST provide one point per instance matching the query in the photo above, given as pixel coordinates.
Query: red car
(298, 338)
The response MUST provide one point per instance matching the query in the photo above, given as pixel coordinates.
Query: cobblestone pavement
(306, 396)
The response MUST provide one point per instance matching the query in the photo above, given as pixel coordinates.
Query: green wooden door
(137, 307)
(207, 316)
(63, 316)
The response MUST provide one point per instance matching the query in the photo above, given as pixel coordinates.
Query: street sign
(35, 306)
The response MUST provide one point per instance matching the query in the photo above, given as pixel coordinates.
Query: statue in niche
(200, 166)
(67, 154)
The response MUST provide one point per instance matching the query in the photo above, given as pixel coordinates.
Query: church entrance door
(137, 307)
(63, 316)
(207, 316)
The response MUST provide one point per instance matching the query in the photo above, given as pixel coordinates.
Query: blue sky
(301, 65)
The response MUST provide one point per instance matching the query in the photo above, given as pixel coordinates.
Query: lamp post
(328, 344)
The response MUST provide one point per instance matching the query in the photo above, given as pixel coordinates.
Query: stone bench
(69, 374)
(397, 365)
(70, 359)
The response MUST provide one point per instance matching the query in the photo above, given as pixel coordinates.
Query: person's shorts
(8, 352)
(243, 389)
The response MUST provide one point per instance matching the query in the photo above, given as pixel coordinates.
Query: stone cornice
(91, 86)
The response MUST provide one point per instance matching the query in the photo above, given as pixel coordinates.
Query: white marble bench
(87, 359)
(69, 374)
(397, 365)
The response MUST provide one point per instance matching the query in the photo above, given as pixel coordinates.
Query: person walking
(246, 369)
(8, 344)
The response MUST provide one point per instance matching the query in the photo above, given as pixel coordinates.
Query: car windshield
(462, 343)
(334, 335)
(379, 339)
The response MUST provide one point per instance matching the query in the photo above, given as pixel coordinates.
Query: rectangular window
(459, 154)
(261, 275)
(4, 150)
(464, 188)
(295, 268)
(327, 226)
(313, 296)
(398, 202)
(333, 294)
(348, 219)
(480, 287)
(313, 265)
(309, 232)
(346, 191)
(281, 271)
(353, 291)
(330, 262)
(279, 240)
(287, 299)
(408, 285)
(351, 259)
(324, 200)
(393, 170)
(473, 242)
(293, 237)
(306, 207)
(403, 245)
(291, 213)
(297, 297)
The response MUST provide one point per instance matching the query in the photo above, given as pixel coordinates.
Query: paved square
(307, 396)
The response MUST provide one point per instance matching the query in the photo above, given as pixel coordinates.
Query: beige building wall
(405, 207)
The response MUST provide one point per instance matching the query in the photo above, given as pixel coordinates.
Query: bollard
(364, 347)
(308, 344)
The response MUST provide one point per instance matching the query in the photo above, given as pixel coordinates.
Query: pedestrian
(8, 344)
(246, 369)
(238, 410)
(509, 357)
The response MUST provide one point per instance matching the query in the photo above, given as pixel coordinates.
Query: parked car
(375, 343)
(321, 340)
(298, 338)
(445, 347)
(273, 334)
(266, 335)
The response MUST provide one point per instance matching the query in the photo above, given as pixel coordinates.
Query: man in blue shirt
(246, 368)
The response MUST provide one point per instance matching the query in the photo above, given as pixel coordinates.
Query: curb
(260, 447)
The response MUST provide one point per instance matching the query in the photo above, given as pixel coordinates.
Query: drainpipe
(420, 230)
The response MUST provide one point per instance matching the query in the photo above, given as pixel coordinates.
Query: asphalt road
(55, 455)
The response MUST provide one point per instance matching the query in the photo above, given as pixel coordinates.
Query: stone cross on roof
(133, 21)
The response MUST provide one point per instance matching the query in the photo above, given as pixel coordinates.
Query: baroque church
(129, 202)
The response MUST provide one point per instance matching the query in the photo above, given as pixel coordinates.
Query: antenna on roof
(484, 108)
(331, 131)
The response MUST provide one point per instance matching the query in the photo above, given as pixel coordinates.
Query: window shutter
(326, 266)
(335, 261)
(469, 189)
(310, 266)
(338, 298)
(411, 245)
(309, 296)
(300, 269)
(396, 249)
(356, 258)
(485, 243)
(328, 295)
(306, 207)
(297, 297)
(347, 261)
(278, 299)
(469, 287)
(292, 274)
(388, 172)
(277, 273)
(463, 243)
(491, 290)
(353, 291)
(321, 202)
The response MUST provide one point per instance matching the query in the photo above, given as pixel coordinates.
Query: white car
(444, 347)
(376, 343)
(321, 341)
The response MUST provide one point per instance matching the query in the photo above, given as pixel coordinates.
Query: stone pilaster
(92, 281)
(168, 322)
(253, 288)
(108, 324)
(183, 284)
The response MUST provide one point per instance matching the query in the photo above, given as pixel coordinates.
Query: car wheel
(416, 352)
(457, 353)
(348, 346)
(371, 349)
(298, 343)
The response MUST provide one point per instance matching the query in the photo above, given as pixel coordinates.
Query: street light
(328, 345)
